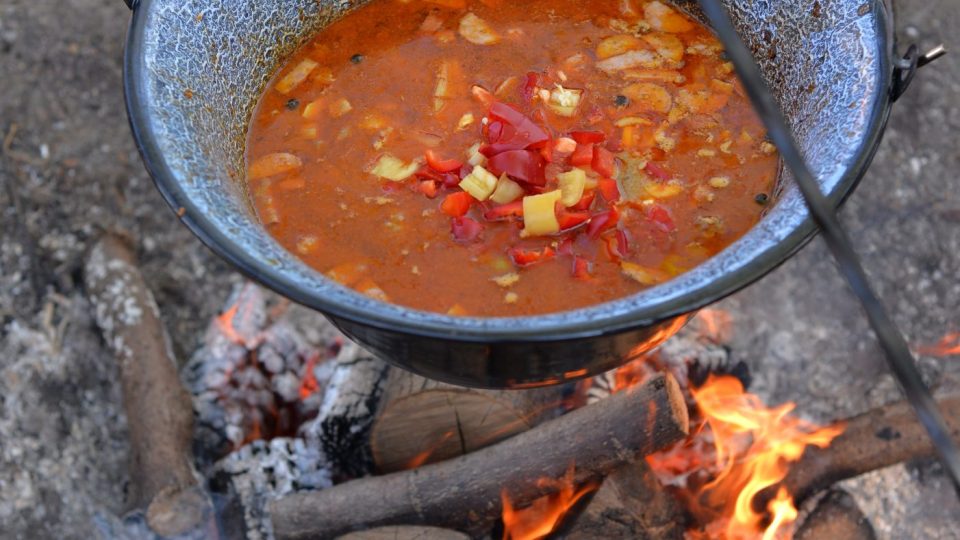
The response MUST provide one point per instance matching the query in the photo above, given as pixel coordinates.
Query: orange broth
(616, 150)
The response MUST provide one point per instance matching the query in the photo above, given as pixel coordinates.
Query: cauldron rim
(583, 323)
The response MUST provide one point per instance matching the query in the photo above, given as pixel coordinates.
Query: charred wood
(465, 492)
(836, 516)
(158, 407)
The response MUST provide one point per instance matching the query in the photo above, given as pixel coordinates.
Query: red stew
(476, 158)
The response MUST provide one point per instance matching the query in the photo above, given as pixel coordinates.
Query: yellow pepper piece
(481, 183)
(539, 214)
(572, 184)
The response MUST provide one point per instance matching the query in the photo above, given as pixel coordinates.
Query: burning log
(158, 407)
(837, 517)
(631, 503)
(877, 439)
(422, 421)
(465, 492)
(406, 533)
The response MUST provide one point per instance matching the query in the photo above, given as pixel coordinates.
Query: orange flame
(752, 448)
(949, 345)
(309, 384)
(543, 516)
(225, 324)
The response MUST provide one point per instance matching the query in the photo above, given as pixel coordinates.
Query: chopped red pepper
(660, 216)
(457, 204)
(618, 246)
(523, 165)
(426, 173)
(585, 201)
(583, 155)
(604, 162)
(530, 86)
(483, 96)
(526, 257)
(657, 171)
(429, 188)
(442, 165)
(588, 137)
(581, 268)
(523, 132)
(568, 220)
(608, 190)
(504, 211)
(603, 221)
(465, 229)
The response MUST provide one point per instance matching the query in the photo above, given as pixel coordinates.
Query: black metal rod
(898, 354)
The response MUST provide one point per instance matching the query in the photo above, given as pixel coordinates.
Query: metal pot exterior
(194, 70)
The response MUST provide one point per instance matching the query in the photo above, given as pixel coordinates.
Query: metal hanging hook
(905, 68)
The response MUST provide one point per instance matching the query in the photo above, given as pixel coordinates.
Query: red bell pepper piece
(660, 217)
(588, 137)
(604, 162)
(618, 245)
(603, 221)
(609, 189)
(426, 173)
(530, 86)
(429, 188)
(581, 268)
(657, 171)
(465, 229)
(585, 201)
(504, 211)
(523, 134)
(442, 165)
(583, 155)
(523, 165)
(568, 220)
(526, 257)
(457, 204)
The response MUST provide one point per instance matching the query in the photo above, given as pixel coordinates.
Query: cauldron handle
(132, 4)
(906, 67)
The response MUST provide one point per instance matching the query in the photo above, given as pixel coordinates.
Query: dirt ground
(69, 169)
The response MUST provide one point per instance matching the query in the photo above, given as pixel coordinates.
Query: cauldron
(194, 70)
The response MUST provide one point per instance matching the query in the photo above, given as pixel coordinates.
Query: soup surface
(477, 158)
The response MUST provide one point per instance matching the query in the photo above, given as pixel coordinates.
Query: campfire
(278, 428)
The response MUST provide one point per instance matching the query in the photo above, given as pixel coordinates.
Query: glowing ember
(309, 384)
(225, 323)
(949, 345)
(544, 515)
(715, 324)
(745, 447)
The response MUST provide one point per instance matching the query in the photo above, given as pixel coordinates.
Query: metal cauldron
(194, 70)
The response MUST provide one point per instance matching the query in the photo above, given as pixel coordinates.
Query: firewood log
(159, 413)
(464, 493)
(835, 517)
(877, 439)
(406, 533)
(631, 503)
(422, 421)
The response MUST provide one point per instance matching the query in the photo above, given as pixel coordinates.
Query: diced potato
(511, 298)
(477, 31)
(465, 121)
(373, 122)
(617, 45)
(480, 183)
(664, 18)
(642, 274)
(564, 101)
(539, 214)
(297, 75)
(572, 184)
(474, 157)
(719, 182)
(394, 169)
(348, 274)
(273, 164)
(669, 76)
(371, 289)
(666, 45)
(767, 148)
(633, 121)
(507, 280)
(340, 107)
(632, 59)
(307, 244)
(313, 109)
(507, 191)
(650, 97)
(662, 190)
